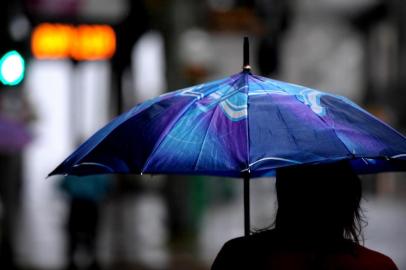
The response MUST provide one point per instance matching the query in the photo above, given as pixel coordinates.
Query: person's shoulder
(253, 242)
(236, 243)
(241, 252)
(233, 255)
(374, 259)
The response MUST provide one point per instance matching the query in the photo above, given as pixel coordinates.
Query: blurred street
(141, 240)
(385, 231)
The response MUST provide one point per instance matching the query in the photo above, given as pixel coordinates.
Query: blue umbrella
(240, 126)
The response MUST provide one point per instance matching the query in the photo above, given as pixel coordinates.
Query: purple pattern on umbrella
(238, 124)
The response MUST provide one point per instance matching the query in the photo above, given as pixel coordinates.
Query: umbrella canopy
(241, 124)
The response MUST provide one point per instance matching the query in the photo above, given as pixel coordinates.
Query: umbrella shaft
(247, 225)
(246, 53)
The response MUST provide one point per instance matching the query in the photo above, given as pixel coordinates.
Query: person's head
(321, 201)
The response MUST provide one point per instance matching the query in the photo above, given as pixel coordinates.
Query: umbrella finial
(246, 65)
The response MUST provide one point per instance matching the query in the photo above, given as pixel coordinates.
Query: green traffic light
(12, 68)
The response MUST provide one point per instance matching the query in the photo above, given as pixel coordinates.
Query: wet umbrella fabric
(243, 124)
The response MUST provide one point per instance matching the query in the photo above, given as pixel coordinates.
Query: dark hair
(320, 201)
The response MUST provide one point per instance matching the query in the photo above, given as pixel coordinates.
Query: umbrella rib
(321, 118)
(205, 136)
(335, 133)
(270, 82)
(274, 158)
(286, 125)
(399, 156)
(345, 100)
(371, 115)
(113, 126)
(247, 122)
(125, 116)
(211, 120)
(169, 127)
(94, 164)
(173, 123)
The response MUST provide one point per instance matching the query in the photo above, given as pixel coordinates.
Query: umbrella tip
(246, 53)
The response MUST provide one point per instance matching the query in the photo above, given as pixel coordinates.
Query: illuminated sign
(82, 42)
(12, 68)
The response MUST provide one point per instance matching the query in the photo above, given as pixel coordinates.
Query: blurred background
(67, 67)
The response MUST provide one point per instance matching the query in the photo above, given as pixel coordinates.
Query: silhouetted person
(318, 226)
(85, 194)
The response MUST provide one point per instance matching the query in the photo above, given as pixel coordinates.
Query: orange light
(51, 41)
(84, 42)
(93, 42)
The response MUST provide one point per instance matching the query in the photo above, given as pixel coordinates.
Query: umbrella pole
(247, 225)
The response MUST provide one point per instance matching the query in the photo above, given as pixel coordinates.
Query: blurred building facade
(355, 48)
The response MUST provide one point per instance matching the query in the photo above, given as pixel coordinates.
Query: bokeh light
(12, 68)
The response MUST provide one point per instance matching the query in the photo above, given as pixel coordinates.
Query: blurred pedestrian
(318, 225)
(85, 195)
